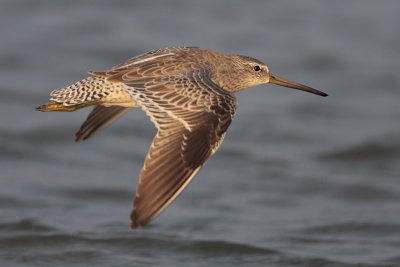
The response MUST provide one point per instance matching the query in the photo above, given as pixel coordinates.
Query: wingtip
(79, 137)
(324, 94)
(137, 220)
(134, 220)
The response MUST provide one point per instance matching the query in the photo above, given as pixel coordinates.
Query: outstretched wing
(99, 118)
(192, 115)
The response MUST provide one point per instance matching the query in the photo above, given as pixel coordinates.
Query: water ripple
(355, 228)
(368, 151)
(137, 250)
(25, 225)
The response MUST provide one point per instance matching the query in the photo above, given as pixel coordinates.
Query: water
(299, 181)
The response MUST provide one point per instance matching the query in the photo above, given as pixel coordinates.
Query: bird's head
(246, 72)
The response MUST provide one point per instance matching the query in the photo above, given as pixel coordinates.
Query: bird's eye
(257, 68)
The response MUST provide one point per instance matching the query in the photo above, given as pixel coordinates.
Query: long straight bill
(286, 83)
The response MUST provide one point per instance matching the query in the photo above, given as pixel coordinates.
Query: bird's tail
(92, 90)
(54, 106)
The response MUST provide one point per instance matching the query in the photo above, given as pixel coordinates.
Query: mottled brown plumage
(188, 94)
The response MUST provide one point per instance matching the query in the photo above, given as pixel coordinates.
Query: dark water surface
(299, 181)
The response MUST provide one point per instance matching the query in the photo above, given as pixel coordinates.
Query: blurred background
(300, 180)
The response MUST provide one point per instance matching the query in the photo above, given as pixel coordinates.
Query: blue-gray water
(300, 180)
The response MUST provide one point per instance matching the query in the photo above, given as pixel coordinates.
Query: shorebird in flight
(187, 92)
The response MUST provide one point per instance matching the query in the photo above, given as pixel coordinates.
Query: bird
(188, 93)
